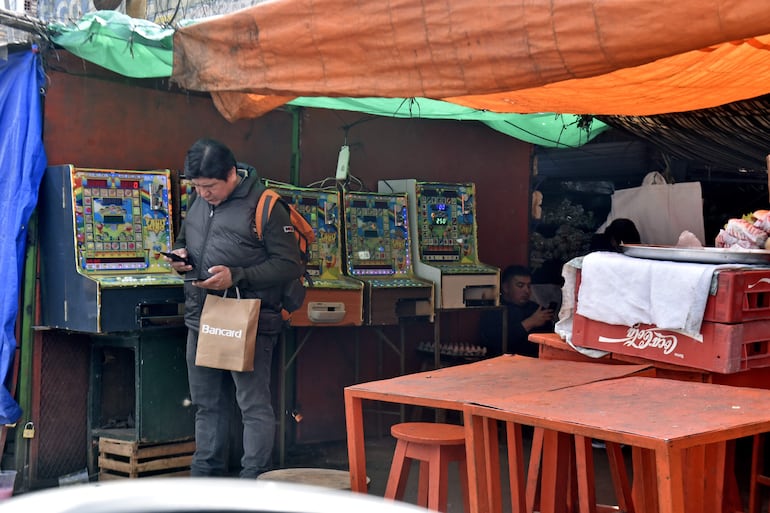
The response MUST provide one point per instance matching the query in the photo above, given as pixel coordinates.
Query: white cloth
(617, 289)
(563, 326)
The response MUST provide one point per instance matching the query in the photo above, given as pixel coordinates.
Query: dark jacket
(225, 235)
(518, 337)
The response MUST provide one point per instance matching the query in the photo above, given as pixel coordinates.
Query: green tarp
(138, 48)
(131, 47)
(548, 129)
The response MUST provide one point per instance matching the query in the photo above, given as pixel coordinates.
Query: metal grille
(62, 425)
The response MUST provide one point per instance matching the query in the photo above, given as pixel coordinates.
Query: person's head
(516, 285)
(210, 166)
(601, 242)
(622, 231)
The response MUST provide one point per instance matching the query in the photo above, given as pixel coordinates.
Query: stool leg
(399, 473)
(620, 477)
(462, 468)
(438, 480)
(423, 484)
(533, 473)
(516, 467)
(554, 480)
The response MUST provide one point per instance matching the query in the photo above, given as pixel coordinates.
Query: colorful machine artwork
(122, 220)
(320, 208)
(377, 234)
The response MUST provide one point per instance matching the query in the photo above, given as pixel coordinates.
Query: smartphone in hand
(175, 257)
(552, 305)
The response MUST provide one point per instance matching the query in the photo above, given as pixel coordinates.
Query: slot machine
(378, 252)
(103, 278)
(333, 299)
(443, 217)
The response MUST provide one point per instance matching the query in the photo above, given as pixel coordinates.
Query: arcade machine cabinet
(378, 252)
(103, 280)
(332, 299)
(443, 217)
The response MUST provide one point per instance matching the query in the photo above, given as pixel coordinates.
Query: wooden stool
(434, 445)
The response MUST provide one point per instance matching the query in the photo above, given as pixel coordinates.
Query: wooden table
(664, 416)
(552, 347)
(507, 376)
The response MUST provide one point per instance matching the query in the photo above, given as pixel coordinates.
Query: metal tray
(700, 255)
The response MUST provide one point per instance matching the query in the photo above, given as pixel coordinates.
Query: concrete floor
(379, 454)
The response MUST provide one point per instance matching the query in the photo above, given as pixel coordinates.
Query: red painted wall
(95, 122)
(432, 150)
(96, 119)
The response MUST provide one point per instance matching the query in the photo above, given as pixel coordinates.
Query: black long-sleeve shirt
(518, 343)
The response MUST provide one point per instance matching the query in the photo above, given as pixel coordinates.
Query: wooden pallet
(120, 459)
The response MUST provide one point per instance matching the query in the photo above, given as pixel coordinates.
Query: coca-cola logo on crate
(640, 338)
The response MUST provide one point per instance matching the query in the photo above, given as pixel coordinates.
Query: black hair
(623, 231)
(514, 270)
(600, 242)
(208, 158)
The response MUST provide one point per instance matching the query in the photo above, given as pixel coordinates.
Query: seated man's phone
(175, 257)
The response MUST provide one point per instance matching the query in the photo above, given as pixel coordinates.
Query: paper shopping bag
(661, 211)
(228, 333)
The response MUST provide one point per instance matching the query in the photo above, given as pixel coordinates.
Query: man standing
(524, 315)
(218, 237)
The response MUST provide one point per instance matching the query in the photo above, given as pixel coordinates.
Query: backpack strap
(267, 201)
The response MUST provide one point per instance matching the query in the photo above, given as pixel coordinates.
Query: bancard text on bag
(228, 333)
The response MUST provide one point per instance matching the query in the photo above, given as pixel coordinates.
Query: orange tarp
(689, 81)
(514, 56)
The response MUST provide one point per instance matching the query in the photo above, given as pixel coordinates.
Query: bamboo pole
(23, 21)
(24, 396)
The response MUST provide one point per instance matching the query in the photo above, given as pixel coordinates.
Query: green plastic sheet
(132, 47)
(547, 129)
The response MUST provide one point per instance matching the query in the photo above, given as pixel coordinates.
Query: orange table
(666, 417)
(552, 347)
(507, 376)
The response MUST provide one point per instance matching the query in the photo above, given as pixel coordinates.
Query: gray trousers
(212, 397)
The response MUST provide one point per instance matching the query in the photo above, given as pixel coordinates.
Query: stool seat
(429, 433)
(434, 445)
(325, 477)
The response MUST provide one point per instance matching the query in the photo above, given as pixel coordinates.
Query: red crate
(726, 348)
(741, 295)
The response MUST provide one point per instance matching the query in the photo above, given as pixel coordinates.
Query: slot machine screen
(446, 223)
(377, 234)
(320, 208)
(122, 220)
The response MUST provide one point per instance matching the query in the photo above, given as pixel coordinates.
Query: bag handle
(237, 293)
(654, 178)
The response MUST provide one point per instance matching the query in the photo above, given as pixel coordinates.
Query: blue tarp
(22, 164)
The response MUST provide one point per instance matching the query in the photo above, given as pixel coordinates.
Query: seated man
(524, 315)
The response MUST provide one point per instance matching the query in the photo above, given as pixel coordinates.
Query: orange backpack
(294, 294)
